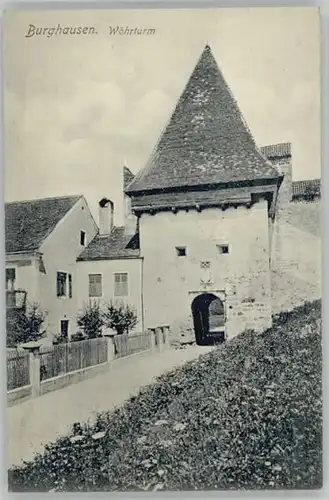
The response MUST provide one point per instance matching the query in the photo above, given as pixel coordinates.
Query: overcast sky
(78, 107)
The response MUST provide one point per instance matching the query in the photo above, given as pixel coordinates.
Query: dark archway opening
(209, 319)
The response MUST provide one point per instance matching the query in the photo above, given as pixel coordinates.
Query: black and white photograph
(162, 184)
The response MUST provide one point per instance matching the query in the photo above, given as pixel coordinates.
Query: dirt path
(34, 423)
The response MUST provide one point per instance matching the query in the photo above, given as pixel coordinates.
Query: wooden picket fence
(72, 356)
(18, 369)
(67, 358)
(125, 345)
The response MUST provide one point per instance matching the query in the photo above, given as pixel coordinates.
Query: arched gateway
(209, 319)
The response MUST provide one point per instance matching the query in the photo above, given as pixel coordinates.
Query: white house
(111, 268)
(43, 240)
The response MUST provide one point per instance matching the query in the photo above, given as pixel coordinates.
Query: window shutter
(95, 285)
(70, 286)
(61, 284)
(58, 285)
(121, 284)
(124, 284)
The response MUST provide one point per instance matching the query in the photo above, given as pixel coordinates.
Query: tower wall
(281, 157)
(241, 276)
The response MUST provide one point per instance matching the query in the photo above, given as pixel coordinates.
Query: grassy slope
(247, 415)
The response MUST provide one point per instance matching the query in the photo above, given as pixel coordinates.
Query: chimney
(106, 216)
(130, 220)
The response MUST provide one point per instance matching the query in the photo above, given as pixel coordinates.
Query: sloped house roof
(28, 223)
(301, 188)
(206, 144)
(276, 151)
(116, 245)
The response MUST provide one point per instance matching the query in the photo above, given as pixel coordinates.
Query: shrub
(76, 337)
(91, 320)
(25, 325)
(119, 317)
(60, 339)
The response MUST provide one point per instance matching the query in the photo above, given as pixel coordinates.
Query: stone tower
(206, 201)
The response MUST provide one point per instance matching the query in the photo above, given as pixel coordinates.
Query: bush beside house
(247, 415)
(25, 325)
(117, 316)
(91, 320)
(120, 317)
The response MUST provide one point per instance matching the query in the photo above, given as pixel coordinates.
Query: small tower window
(223, 249)
(82, 238)
(181, 251)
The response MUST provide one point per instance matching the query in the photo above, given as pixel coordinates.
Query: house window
(64, 285)
(65, 328)
(70, 286)
(82, 238)
(121, 284)
(61, 284)
(181, 251)
(10, 278)
(223, 249)
(95, 285)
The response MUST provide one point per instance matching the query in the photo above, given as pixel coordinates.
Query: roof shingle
(300, 187)
(116, 245)
(128, 176)
(206, 140)
(28, 223)
(281, 150)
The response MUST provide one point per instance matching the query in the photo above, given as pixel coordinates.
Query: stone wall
(284, 166)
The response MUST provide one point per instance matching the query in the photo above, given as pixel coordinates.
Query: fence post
(152, 334)
(166, 335)
(158, 334)
(34, 349)
(110, 346)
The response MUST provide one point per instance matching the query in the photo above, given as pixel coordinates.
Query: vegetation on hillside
(247, 415)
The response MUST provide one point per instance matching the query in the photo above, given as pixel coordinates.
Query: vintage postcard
(163, 249)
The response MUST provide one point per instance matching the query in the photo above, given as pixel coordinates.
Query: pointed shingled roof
(206, 141)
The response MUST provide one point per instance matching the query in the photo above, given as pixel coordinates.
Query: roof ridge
(283, 143)
(308, 180)
(44, 199)
(114, 228)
